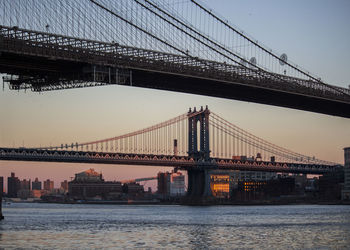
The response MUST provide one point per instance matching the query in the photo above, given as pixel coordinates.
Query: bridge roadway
(180, 162)
(46, 61)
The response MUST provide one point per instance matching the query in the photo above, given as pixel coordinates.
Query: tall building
(36, 185)
(346, 189)
(64, 186)
(13, 185)
(48, 185)
(163, 181)
(25, 184)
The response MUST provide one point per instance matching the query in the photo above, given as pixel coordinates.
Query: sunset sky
(315, 34)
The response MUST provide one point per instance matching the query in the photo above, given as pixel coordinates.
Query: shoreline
(193, 203)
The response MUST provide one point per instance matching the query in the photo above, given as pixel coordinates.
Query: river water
(49, 226)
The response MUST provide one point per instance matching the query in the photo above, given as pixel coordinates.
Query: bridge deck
(181, 162)
(47, 61)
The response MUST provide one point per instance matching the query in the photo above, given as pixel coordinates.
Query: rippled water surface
(217, 227)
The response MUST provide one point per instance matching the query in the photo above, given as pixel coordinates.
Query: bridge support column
(199, 190)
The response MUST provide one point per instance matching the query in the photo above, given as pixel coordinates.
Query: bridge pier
(199, 190)
(199, 183)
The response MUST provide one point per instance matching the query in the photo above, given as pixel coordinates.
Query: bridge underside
(62, 72)
(240, 92)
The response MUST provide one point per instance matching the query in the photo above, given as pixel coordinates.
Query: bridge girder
(179, 162)
(65, 59)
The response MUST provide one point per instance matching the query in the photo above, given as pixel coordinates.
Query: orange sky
(79, 115)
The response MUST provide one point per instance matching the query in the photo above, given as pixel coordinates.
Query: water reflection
(107, 226)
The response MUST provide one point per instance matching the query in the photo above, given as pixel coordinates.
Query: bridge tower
(202, 117)
(199, 176)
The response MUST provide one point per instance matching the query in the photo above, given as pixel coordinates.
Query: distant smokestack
(175, 147)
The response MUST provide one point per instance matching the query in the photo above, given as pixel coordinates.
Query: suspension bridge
(198, 141)
(165, 44)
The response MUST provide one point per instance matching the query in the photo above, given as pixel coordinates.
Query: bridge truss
(52, 45)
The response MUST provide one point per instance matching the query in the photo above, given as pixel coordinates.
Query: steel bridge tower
(199, 175)
(202, 117)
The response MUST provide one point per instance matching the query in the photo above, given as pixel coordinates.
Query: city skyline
(52, 118)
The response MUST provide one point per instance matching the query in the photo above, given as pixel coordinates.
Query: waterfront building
(48, 185)
(177, 184)
(171, 184)
(346, 189)
(89, 184)
(252, 176)
(222, 182)
(133, 189)
(330, 185)
(284, 185)
(13, 185)
(36, 184)
(220, 185)
(24, 194)
(254, 190)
